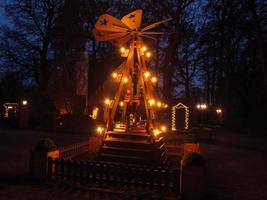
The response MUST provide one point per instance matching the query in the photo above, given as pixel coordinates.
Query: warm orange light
(166, 106)
(122, 49)
(219, 111)
(24, 102)
(147, 74)
(156, 132)
(163, 128)
(144, 48)
(151, 102)
(203, 106)
(125, 80)
(121, 104)
(148, 54)
(107, 101)
(9, 107)
(114, 75)
(159, 104)
(154, 79)
(99, 130)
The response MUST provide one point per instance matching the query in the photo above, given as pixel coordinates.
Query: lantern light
(156, 132)
(24, 102)
(122, 49)
(151, 102)
(121, 104)
(163, 128)
(99, 130)
(125, 80)
(154, 79)
(147, 74)
(203, 106)
(107, 101)
(219, 111)
(114, 75)
(159, 104)
(148, 54)
(166, 106)
(144, 48)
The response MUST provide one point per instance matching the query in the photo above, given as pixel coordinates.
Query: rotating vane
(119, 32)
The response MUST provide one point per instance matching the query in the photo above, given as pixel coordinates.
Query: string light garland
(180, 106)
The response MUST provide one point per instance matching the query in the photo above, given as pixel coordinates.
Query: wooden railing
(115, 174)
(92, 145)
(175, 149)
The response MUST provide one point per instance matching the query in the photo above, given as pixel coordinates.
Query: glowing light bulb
(159, 104)
(203, 106)
(24, 102)
(122, 49)
(121, 104)
(114, 75)
(151, 102)
(148, 54)
(125, 80)
(147, 74)
(154, 79)
(163, 128)
(144, 48)
(198, 106)
(218, 110)
(107, 101)
(156, 132)
(99, 129)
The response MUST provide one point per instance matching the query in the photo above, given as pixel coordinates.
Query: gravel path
(236, 167)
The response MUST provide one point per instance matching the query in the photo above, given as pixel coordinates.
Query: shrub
(190, 138)
(45, 145)
(193, 159)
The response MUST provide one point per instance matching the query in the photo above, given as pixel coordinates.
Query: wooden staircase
(134, 147)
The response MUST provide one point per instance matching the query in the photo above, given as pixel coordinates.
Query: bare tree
(26, 42)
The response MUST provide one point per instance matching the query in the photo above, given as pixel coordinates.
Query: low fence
(115, 174)
(175, 150)
(92, 145)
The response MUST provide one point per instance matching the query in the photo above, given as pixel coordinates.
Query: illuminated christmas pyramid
(132, 131)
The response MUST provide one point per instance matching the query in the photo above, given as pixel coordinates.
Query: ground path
(237, 166)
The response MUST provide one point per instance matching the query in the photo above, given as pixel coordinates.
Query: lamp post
(24, 114)
(219, 113)
(201, 107)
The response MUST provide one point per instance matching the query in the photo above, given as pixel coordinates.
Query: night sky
(2, 15)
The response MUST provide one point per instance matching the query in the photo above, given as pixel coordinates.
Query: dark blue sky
(3, 19)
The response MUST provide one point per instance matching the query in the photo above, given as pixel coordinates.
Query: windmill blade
(155, 24)
(133, 20)
(121, 41)
(153, 33)
(104, 35)
(109, 23)
(149, 37)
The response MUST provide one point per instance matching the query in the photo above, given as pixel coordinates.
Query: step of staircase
(134, 148)
(129, 135)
